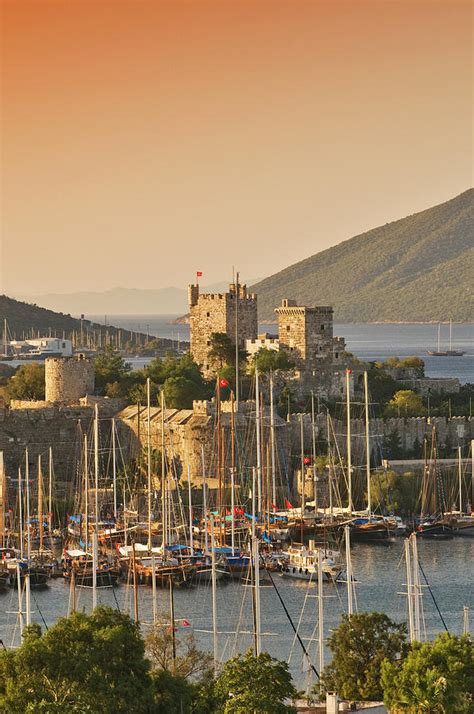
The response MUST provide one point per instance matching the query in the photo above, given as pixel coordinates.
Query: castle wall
(68, 379)
(209, 313)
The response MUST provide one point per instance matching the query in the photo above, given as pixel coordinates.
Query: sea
(379, 571)
(372, 341)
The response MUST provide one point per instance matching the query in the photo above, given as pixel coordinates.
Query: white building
(42, 347)
(263, 341)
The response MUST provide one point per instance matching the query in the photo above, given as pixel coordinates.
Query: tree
(248, 683)
(110, 367)
(180, 392)
(406, 402)
(436, 677)
(182, 681)
(392, 445)
(27, 383)
(222, 350)
(359, 646)
(189, 661)
(382, 386)
(271, 360)
(84, 663)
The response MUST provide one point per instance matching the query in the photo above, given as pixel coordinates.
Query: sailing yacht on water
(445, 353)
(461, 521)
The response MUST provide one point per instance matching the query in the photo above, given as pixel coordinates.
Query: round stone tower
(67, 379)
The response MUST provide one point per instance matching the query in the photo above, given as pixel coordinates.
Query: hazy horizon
(142, 141)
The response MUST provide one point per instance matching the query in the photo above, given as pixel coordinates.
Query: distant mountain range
(121, 301)
(419, 268)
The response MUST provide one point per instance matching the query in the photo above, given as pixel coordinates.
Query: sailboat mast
(272, 442)
(86, 493)
(96, 466)
(349, 452)
(214, 596)
(303, 495)
(148, 441)
(28, 531)
(237, 295)
(163, 470)
(40, 503)
(3, 493)
(50, 492)
(114, 469)
(256, 585)
(350, 603)
(313, 444)
(204, 499)
(460, 479)
(367, 441)
(320, 612)
(409, 589)
(258, 444)
(95, 564)
(190, 511)
(5, 337)
(472, 474)
(20, 510)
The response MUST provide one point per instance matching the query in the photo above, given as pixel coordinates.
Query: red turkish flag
(199, 274)
(288, 504)
(186, 623)
(307, 460)
(223, 382)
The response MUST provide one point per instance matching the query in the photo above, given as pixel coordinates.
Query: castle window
(336, 355)
(209, 343)
(208, 314)
(322, 328)
(288, 328)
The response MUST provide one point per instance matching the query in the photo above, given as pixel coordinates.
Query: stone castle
(231, 313)
(306, 333)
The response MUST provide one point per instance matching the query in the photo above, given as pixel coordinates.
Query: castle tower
(307, 334)
(216, 312)
(68, 378)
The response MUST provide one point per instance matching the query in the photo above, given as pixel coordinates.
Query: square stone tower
(307, 334)
(216, 312)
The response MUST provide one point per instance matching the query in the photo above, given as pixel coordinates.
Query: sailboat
(370, 528)
(432, 525)
(445, 353)
(461, 522)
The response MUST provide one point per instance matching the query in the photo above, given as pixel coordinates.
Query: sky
(143, 140)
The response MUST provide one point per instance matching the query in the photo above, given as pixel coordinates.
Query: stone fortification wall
(209, 313)
(62, 428)
(68, 379)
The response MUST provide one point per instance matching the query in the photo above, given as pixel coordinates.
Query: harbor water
(378, 569)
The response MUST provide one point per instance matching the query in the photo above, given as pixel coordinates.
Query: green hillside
(25, 320)
(419, 268)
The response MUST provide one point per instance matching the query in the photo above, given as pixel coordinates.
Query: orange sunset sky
(144, 140)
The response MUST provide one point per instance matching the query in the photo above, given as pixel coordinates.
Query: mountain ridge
(412, 269)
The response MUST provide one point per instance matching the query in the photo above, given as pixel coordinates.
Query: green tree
(405, 402)
(180, 392)
(392, 445)
(414, 363)
(110, 367)
(222, 349)
(189, 662)
(27, 383)
(435, 677)
(382, 386)
(271, 360)
(255, 684)
(359, 646)
(84, 663)
(399, 493)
